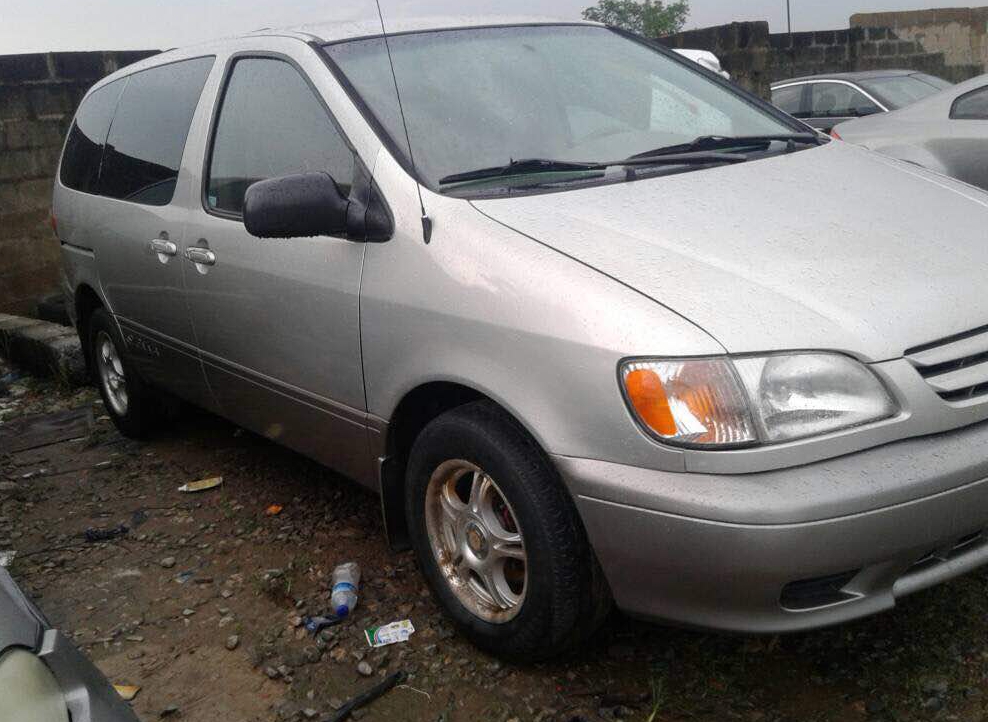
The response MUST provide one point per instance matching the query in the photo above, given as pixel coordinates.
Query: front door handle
(162, 247)
(200, 256)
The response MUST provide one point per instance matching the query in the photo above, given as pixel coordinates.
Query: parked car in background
(947, 132)
(596, 323)
(43, 677)
(823, 101)
(706, 59)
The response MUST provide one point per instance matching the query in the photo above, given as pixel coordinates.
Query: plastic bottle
(346, 578)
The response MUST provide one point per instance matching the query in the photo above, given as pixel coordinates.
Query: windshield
(902, 90)
(482, 97)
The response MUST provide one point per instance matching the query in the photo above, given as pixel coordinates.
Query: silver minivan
(597, 324)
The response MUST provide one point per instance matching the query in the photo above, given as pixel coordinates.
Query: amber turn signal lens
(697, 402)
(649, 400)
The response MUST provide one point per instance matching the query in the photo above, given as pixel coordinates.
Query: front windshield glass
(482, 97)
(902, 90)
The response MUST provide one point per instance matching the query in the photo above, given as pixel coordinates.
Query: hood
(828, 248)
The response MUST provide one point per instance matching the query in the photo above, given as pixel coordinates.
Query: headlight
(714, 402)
(28, 690)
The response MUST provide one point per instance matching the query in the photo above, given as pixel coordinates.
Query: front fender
(537, 331)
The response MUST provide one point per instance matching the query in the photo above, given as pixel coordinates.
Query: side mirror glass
(295, 206)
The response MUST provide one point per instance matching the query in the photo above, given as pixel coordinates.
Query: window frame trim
(953, 106)
(214, 119)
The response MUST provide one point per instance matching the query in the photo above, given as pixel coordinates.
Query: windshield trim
(395, 148)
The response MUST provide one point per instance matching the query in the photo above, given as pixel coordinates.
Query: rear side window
(84, 147)
(789, 99)
(836, 100)
(972, 106)
(147, 136)
(271, 124)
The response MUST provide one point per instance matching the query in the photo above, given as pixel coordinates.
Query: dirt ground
(198, 574)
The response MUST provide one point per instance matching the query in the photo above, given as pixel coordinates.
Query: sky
(43, 25)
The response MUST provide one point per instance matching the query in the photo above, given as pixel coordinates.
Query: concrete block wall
(743, 48)
(858, 48)
(960, 35)
(952, 44)
(38, 96)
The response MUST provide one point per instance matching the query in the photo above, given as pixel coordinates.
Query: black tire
(565, 597)
(137, 419)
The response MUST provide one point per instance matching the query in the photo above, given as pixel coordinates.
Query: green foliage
(651, 18)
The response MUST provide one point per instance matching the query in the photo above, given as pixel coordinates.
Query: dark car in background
(823, 101)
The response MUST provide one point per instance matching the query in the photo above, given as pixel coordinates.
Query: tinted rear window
(147, 137)
(84, 147)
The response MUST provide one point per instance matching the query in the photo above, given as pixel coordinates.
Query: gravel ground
(199, 603)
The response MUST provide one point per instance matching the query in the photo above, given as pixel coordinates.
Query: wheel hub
(476, 541)
(111, 373)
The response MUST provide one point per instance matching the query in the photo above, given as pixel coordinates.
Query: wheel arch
(87, 300)
(417, 407)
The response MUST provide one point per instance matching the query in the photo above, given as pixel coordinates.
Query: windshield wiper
(519, 167)
(542, 165)
(715, 142)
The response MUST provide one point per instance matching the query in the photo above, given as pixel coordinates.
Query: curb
(43, 348)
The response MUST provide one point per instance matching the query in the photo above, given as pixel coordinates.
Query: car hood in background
(827, 248)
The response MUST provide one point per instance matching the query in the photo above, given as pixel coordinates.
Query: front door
(277, 321)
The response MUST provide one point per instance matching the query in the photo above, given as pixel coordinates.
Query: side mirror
(295, 206)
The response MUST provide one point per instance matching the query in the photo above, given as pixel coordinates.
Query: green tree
(651, 18)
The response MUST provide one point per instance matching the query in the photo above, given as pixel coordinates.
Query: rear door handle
(201, 256)
(162, 247)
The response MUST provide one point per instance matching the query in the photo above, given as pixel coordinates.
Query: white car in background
(706, 59)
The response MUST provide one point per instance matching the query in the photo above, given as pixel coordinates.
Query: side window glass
(271, 124)
(789, 99)
(87, 138)
(836, 100)
(148, 133)
(972, 106)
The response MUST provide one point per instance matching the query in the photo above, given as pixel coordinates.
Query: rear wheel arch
(87, 301)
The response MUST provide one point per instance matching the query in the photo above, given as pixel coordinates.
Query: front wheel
(498, 538)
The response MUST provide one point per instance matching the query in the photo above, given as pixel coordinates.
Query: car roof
(364, 26)
(852, 77)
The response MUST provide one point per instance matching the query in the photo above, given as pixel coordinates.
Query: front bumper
(746, 553)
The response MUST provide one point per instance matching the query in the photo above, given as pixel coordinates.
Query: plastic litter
(274, 510)
(316, 624)
(127, 692)
(389, 633)
(93, 535)
(368, 696)
(7, 557)
(201, 485)
(346, 579)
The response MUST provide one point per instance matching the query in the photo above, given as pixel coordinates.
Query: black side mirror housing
(296, 206)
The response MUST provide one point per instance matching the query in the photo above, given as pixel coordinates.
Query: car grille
(956, 367)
